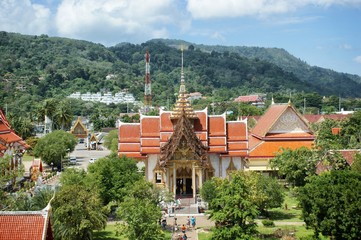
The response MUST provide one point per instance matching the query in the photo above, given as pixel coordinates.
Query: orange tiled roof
(166, 124)
(269, 148)
(10, 137)
(312, 118)
(149, 126)
(291, 135)
(268, 119)
(349, 154)
(217, 125)
(25, 225)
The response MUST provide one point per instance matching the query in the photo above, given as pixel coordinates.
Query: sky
(324, 33)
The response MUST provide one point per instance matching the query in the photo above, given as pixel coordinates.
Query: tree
(111, 140)
(268, 192)
(356, 165)
(140, 212)
(53, 147)
(77, 208)
(22, 125)
(233, 209)
(351, 128)
(114, 175)
(208, 190)
(296, 165)
(63, 115)
(331, 204)
(326, 140)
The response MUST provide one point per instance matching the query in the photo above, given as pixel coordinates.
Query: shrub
(268, 223)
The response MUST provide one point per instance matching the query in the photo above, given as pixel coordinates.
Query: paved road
(83, 155)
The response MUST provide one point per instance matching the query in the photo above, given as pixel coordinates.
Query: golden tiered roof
(183, 103)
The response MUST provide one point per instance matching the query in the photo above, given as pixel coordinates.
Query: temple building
(281, 126)
(11, 145)
(182, 148)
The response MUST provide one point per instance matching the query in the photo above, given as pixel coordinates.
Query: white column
(174, 179)
(200, 177)
(194, 180)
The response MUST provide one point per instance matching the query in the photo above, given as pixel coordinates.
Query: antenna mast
(147, 85)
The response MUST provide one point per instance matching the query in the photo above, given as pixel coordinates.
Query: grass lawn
(109, 234)
(291, 214)
(271, 233)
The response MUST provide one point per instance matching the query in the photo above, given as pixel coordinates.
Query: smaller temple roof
(79, 130)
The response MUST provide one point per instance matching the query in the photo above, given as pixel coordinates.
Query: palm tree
(64, 114)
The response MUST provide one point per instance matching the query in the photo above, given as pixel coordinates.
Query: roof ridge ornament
(183, 104)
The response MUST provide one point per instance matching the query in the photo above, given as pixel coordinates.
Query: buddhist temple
(79, 130)
(182, 148)
(281, 126)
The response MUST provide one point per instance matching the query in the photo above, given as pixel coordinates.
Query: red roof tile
(269, 148)
(24, 225)
(312, 118)
(166, 124)
(249, 98)
(268, 119)
(149, 126)
(217, 126)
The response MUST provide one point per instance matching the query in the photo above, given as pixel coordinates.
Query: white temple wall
(225, 164)
(214, 159)
(238, 163)
(151, 163)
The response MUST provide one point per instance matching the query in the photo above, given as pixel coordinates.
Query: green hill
(33, 68)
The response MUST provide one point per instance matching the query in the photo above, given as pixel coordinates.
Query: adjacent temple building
(183, 148)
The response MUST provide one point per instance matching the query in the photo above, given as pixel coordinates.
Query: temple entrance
(184, 187)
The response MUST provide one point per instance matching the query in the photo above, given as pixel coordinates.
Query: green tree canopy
(111, 140)
(53, 147)
(233, 209)
(77, 208)
(331, 204)
(141, 213)
(114, 176)
(295, 165)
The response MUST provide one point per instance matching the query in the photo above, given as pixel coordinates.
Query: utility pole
(304, 106)
(147, 85)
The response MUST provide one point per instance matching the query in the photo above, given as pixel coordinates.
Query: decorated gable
(289, 122)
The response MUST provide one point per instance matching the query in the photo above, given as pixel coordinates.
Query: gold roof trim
(183, 104)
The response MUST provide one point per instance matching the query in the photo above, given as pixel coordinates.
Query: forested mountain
(33, 68)
(331, 81)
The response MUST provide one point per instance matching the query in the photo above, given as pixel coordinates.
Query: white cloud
(358, 59)
(116, 19)
(218, 36)
(205, 9)
(24, 16)
(346, 46)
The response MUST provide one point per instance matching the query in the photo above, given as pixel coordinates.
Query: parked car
(72, 160)
(92, 160)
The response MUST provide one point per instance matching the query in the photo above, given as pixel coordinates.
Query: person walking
(183, 228)
(193, 222)
(188, 222)
(184, 237)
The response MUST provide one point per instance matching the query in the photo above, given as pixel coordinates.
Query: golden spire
(183, 103)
